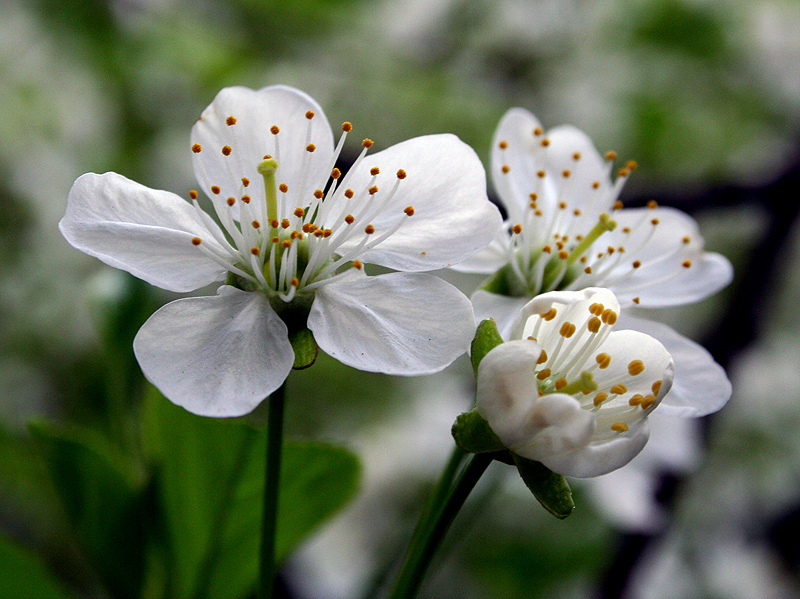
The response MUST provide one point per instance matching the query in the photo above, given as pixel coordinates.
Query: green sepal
(551, 489)
(487, 337)
(305, 348)
(473, 434)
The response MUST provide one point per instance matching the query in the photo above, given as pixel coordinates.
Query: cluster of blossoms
(292, 235)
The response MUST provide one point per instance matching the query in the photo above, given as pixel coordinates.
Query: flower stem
(446, 502)
(272, 473)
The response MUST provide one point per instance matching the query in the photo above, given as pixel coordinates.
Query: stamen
(636, 367)
(619, 427)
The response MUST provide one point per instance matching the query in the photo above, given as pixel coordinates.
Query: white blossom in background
(293, 236)
(568, 391)
(567, 230)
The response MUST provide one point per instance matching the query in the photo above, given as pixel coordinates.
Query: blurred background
(704, 95)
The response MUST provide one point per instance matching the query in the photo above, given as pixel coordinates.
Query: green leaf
(551, 489)
(24, 575)
(487, 337)
(305, 348)
(212, 478)
(473, 434)
(104, 497)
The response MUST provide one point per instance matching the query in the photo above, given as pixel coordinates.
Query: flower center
(289, 242)
(577, 365)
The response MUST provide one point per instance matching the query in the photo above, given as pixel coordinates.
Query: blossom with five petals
(570, 392)
(293, 235)
(566, 229)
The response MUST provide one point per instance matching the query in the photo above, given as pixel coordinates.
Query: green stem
(436, 522)
(272, 474)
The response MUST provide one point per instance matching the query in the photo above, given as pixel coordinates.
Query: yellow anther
(687, 239)
(649, 400)
(409, 210)
(255, 251)
(294, 282)
(349, 219)
(655, 221)
(619, 389)
(226, 150)
(636, 367)
(609, 316)
(543, 374)
(596, 309)
(636, 264)
(196, 241)
(215, 189)
(231, 201)
(348, 193)
(276, 240)
(547, 249)
(656, 387)
(541, 174)
(503, 145)
(401, 174)
(632, 165)
(550, 314)
(603, 360)
(310, 148)
(256, 224)
(538, 131)
(299, 212)
(596, 185)
(310, 115)
(600, 398)
(618, 205)
(533, 196)
(231, 120)
(594, 324)
(336, 173)
(197, 148)
(287, 243)
(505, 168)
(626, 230)
(567, 330)
(611, 155)
(545, 142)
(367, 143)
(357, 264)
(347, 126)
(566, 173)
(576, 156)
(542, 358)
(636, 400)
(517, 229)
(193, 194)
(619, 427)
(373, 190)
(560, 384)
(274, 129)
(369, 229)
(686, 263)
(563, 254)
(285, 223)
(318, 194)
(636, 300)
(652, 204)
(374, 171)
(283, 187)
(274, 223)
(588, 270)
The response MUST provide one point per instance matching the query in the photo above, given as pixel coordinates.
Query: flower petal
(502, 308)
(569, 305)
(674, 268)
(601, 458)
(700, 386)
(215, 356)
(140, 230)
(249, 139)
(488, 260)
(398, 323)
(446, 186)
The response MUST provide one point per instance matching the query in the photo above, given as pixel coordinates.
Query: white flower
(568, 391)
(566, 230)
(294, 235)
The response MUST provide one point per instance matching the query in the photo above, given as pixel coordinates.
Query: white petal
(250, 140)
(567, 304)
(507, 389)
(405, 324)
(215, 356)
(700, 386)
(522, 156)
(502, 308)
(141, 230)
(564, 427)
(601, 458)
(446, 185)
(663, 280)
(489, 260)
(566, 142)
